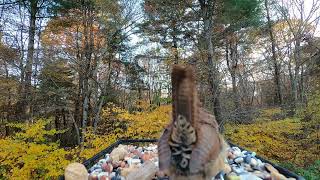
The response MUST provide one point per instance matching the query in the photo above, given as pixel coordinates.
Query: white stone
(76, 171)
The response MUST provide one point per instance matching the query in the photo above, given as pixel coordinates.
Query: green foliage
(311, 112)
(241, 13)
(29, 154)
(310, 173)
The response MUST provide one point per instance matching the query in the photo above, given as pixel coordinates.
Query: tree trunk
(207, 8)
(175, 49)
(79, 97)
(278, 94)
(86, 68)
(76, 128)
(27, 94)
(232, 63)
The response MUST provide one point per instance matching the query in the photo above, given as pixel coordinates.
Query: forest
(77, 75)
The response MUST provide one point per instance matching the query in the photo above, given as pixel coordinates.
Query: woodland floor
(289, 142)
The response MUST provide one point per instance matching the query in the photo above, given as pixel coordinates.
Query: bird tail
(184, 93)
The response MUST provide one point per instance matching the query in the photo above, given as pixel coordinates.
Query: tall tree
(167, 22)
(278, 94)
(208, 10)
(238, 17)
(299, 19)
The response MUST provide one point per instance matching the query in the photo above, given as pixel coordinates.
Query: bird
(191, 146)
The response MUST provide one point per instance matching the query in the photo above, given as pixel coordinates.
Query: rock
(131, 148)
(117, 178)
(237, 152)
(232, 177)
(103, 176)
(227, 169)
(126, 171)
(108, 159)
(122, 164)
(274, 172)
(97, 171)
(146, 157)
(93, 177)
(249, 176)
(107, 167)
(234, 148)
(233, 174)
(253, 162)
(230, 161)
(113, 174)
(230, 155)
(247, 167)
(145, 172)
(247, 159)
(262, 175)
(270, 168)
(142, 163)
(151, 147)
(118, 153)
(134, 161)
(238, 160)
(102, 161)
(220, 175)
(139, 149)
(244, 152)
(76, 171)
(238, 170)
(116, 164)
(96, 166)
(278, 176)
(127, 157)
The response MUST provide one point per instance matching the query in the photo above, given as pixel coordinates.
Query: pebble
(126, 171)
(247, 167)
(238, 160)
(103, 175)
(238, 169)
(107, 167)
(247, 159)
(119, 153)
(253, 162)
(76, 171)
(102, 161)
(262, 175)
(128, 162)
(146, 172)
(249, 177)
(233, 177)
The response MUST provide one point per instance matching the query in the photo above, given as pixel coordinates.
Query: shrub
(30, 155)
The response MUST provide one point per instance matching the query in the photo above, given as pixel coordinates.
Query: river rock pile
(129, 162)
(243, 165)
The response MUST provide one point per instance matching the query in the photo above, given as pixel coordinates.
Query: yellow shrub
(29, 155)
(145, 124)
(280, 141)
